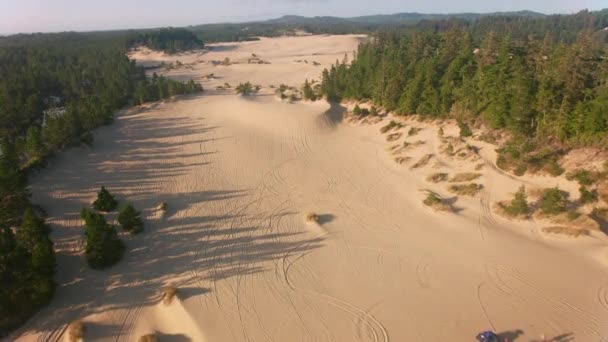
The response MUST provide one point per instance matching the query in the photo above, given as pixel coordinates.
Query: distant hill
(406, 18)
(339, 25)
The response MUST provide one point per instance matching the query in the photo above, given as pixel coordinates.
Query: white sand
(239, 174)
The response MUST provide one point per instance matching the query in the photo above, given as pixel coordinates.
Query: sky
(18, 16)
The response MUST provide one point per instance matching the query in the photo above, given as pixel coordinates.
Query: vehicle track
(376, 328)
(529, 297)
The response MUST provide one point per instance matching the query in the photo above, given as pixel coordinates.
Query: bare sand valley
(239, 174)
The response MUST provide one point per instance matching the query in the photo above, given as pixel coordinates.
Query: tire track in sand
(375, 327)
(526, 297)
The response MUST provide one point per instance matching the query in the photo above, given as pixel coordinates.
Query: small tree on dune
(103, 247)
(519, 204)
(465, 130)
(130, 219)
(552, 202)
(307, 91)
(105, 201)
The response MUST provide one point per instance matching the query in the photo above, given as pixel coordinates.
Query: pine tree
(105, 201)
(307, 91)
(13, 193)
(103, 247)
(519, 204)
(130, 219)
(33, 143)
(552, 201)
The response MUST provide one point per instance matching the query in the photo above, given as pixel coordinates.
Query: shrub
(148, 338)
(393, 136)
(413, 131)
(103, 247)
(423, 161)
(437, 177)
(465, 130)
(357, 110)
(552, 201)
(465, 177)
(554, 168)
(470, 189)
(585, 177)
(307, 92)
(432, 199)
(435, 201)
(519, 204)
(587, 196)
(105, 201)
(76, 331)
(281, 90)
(169, 292)
(130, 219)
(311, 218)
(521, 156)
(163, 206)
(449, 149)
(391, 125)
(244, 88)
(520, 169)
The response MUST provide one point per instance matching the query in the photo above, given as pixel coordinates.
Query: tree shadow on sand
(510, 335)
(203, 237)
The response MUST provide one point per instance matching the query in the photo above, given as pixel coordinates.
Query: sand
(239, 174)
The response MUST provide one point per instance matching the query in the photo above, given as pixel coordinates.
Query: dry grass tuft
(470, 189)
(76, 331)
(393, 136)
(162, 206)
(479, 166)
(435, 201)
(567, 231)
(423, 161)
(413, 131)
(575, 220)
(311, 218)
(465, 177)
(148, 338)
(402, 160)
(169, 292)
(393, 147)
(391, 126)
(437, 177)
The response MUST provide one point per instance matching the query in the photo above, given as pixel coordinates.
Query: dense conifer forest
(541, 79)
(54, 90)
(170, 40)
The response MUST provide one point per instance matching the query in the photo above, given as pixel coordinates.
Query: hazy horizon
(27, 16)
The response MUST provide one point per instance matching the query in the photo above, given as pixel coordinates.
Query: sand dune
(238, 175)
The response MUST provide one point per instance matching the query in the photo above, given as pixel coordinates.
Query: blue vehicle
(488, 336)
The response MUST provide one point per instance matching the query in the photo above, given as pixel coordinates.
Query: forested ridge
(54, 90)
(540, 88)
(170, 40)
